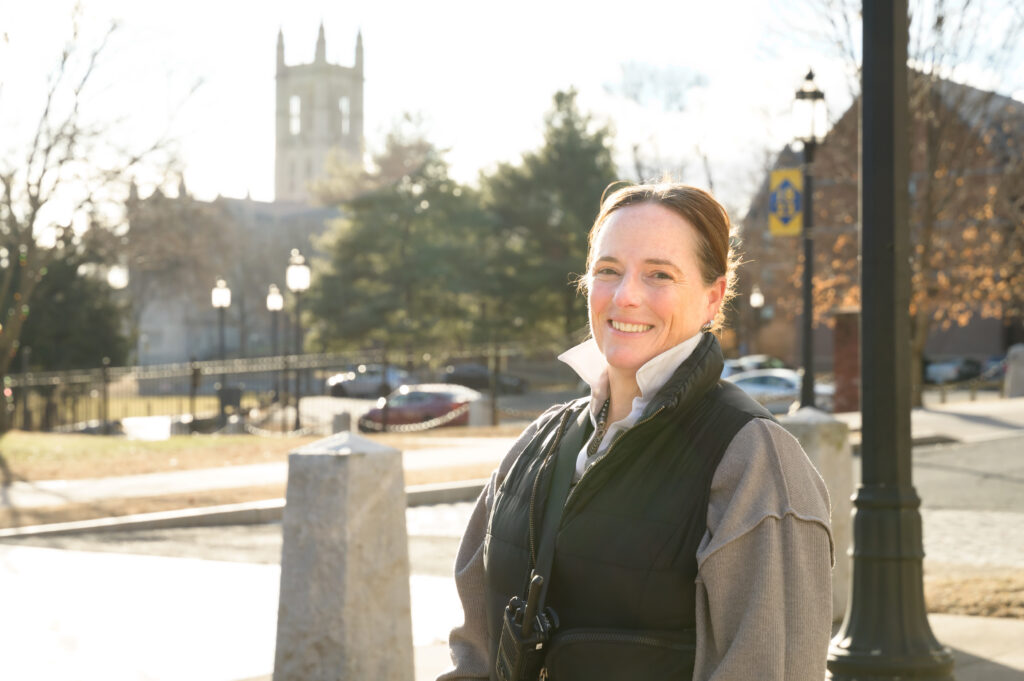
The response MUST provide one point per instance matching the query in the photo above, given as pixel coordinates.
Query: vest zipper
(605, 456)
(536, 482)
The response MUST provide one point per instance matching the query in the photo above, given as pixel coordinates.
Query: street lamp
(220, 297)
(811, 119)
(885, 634)
(275, 302)
(297, 279)
(756, 303)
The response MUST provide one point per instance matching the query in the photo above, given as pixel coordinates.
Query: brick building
(967, 233)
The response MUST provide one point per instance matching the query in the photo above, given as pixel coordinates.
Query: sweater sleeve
(467, 643)
(764, 587)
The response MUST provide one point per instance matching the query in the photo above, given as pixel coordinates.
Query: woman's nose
(629, 291)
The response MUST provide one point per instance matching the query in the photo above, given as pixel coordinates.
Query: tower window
(295, 114)
(345, 109)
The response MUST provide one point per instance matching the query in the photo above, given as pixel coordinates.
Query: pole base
(885, 635)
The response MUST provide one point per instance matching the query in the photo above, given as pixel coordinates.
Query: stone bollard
(1013, 384)
(344, 609)
(340, 422)
(827, 443)
(480, 411)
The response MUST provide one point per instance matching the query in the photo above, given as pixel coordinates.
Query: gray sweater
(764, 589)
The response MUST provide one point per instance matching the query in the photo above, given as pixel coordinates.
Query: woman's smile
(626, 327)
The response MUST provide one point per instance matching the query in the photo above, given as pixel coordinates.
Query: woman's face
(646, 293)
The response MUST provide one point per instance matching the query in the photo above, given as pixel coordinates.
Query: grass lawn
(53, 456)
(30, 456)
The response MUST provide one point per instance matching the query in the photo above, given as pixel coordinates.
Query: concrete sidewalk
(101, 615)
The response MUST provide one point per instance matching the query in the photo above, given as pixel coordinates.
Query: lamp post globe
(297, 279)
(810, 117)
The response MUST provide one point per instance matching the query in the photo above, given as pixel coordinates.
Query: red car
(421, 403)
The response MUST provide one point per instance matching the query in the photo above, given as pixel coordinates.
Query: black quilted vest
(625, 558)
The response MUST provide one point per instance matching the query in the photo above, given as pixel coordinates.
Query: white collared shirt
(587, 360)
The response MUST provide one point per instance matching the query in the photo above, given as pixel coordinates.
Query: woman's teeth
(631, 328)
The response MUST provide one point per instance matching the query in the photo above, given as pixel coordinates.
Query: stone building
(177, 246)
(319, 111)
(967, 233)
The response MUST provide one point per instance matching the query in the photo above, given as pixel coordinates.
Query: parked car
(478, 377)
(731, 366)
(751, 362)
(419, 403)
(366, 380)
(950, 371)
(994, 368)
(779, 389)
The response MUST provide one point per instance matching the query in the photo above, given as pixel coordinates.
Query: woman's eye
(604, 272)
(662, 276)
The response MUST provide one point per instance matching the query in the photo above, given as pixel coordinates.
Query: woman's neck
(621, 390)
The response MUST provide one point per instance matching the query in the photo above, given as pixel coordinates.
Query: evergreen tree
(543, 209)
(76, 322)
(401, 269)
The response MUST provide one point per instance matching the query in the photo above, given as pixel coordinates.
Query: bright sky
(482, 74)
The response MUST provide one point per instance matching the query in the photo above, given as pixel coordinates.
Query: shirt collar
(589, 363)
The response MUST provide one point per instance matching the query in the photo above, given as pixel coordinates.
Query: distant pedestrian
(694, 540)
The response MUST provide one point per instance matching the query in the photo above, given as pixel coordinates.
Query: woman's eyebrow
(649, 261)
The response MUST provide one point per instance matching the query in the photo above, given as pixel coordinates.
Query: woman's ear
(715, 296)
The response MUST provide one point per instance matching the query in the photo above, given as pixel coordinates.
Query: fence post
(283, 403)
(105, 395)
(193, 388)
(344, 609)
(495, 382)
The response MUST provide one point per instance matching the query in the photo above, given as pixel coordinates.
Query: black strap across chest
(561, 481)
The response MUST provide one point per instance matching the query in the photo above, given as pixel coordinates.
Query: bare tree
(63, 186)
(966, 178)
(662, 89)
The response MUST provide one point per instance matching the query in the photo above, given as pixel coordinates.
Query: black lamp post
(220, 297)
(275, 303)
(885, 634)
(756, 303)
(297, 279)
(811, 118)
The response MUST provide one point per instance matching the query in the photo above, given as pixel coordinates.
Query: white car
(367, 380)
(779, 389)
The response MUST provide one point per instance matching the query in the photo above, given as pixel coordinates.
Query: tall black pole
(220, 344)
(298, 351)
(273, 351)
(807, 384)
(885, 634)
(220, 334)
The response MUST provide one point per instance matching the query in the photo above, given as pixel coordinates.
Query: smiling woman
(666, 525)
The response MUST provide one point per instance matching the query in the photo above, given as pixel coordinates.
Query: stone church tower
(319, 110)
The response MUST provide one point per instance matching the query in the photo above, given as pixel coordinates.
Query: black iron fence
(246, 395)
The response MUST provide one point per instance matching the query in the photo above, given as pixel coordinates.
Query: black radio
(524, 636)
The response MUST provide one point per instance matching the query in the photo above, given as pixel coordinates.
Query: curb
(247, 513)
